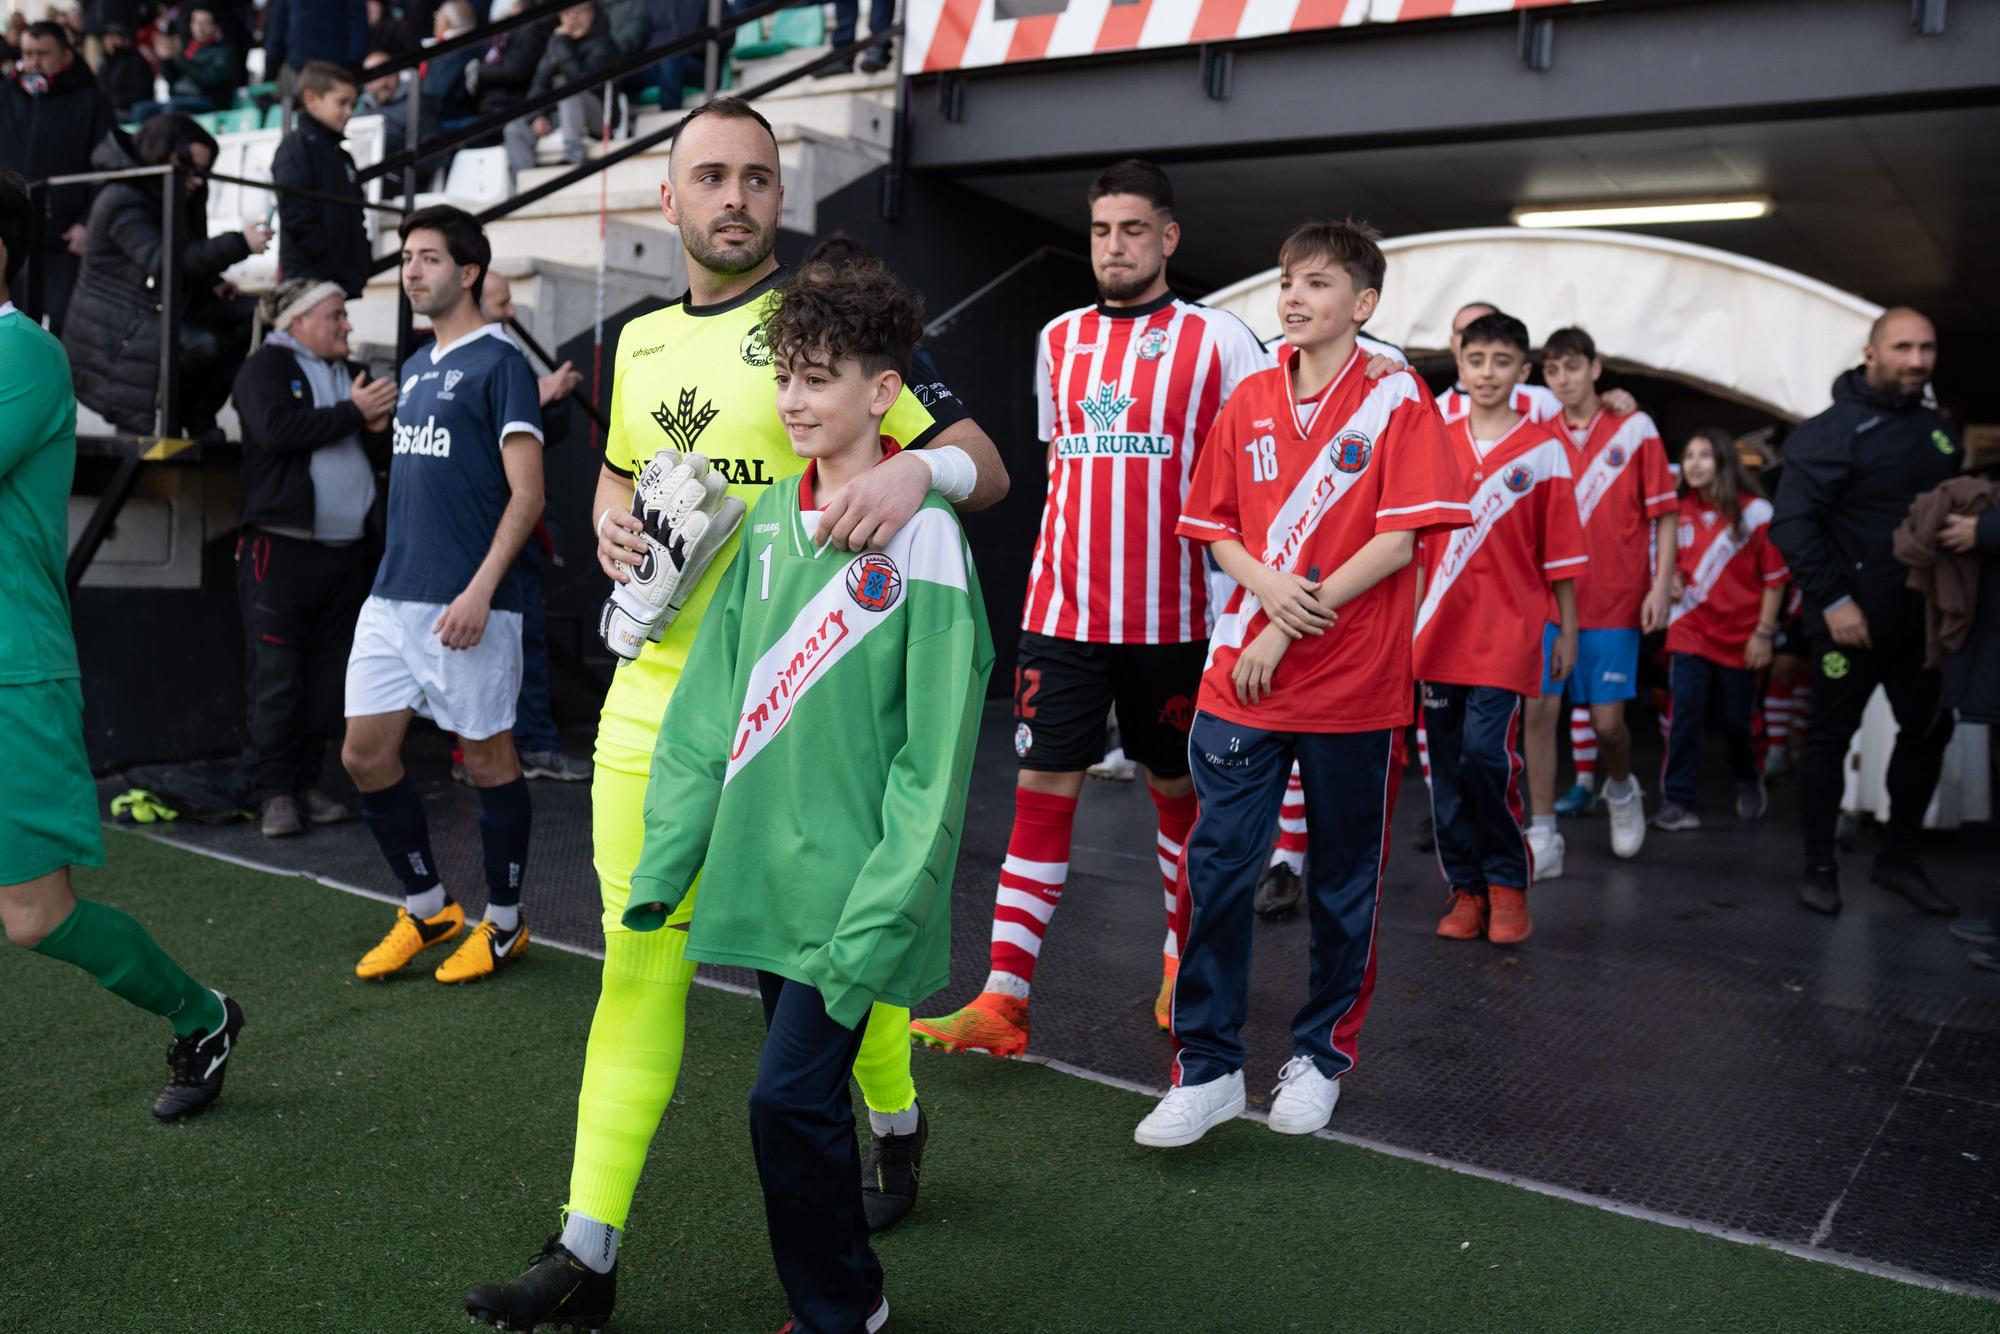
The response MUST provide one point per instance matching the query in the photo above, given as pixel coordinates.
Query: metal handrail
(473, 36)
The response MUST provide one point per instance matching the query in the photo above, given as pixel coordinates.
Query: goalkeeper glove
(688, 515)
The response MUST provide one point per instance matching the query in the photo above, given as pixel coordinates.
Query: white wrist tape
(601, 518)
(952, 474)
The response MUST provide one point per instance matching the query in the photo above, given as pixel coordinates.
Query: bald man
(1850, 475)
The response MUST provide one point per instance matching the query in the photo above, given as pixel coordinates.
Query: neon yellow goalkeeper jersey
(699, 378)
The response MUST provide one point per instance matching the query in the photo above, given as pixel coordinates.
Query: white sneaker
(1628, 823)
(1305, 1098)
(1114, 767)
(1187, 1113)
(1546, 848)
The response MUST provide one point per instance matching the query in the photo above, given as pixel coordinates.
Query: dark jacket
(317, 240)
(444, 94)
(209, 74)
(630, 22)
(113, 329)
(571, 58)
(1850, 475)
(124, 78)
(54, 134)
(281, 429)
(1972, 675)
(507, 67)
(296, 31)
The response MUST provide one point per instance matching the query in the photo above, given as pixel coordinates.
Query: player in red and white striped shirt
(1117, 608)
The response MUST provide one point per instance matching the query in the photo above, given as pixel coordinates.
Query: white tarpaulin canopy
(1729, 325)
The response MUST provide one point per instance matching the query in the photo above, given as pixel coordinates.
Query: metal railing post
(406, 329)
(173, 210)
(711, 74)
(38, 260)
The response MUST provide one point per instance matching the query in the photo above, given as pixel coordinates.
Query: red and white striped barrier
(965, 34)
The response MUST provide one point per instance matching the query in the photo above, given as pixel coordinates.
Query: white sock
(1588, 782)
(1295, 860)
(1547, 822)
(1007, 984)
(592, 1242)
(893, 1123)
(1621, 789)
(507, 917)
(427, 904)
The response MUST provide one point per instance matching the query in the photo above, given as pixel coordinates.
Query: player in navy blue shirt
(440, 634)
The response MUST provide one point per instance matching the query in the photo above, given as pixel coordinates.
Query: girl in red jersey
(1728, 584)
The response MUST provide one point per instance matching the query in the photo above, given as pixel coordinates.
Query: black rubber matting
(1678, 1035)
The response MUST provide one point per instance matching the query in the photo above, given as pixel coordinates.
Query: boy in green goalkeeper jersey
(812, 769)
(48, 803)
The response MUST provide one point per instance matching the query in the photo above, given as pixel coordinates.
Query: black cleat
(199, 1062)
(889, 1177)
(1978, 930)
(1427, 836)
(1909, 880)
(558, 1290)
(1820, 890)
(1278, 892)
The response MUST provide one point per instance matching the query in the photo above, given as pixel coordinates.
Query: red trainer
(1467, 918)
(1510, 916)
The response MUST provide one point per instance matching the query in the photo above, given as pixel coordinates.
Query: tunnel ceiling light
(1640, 215)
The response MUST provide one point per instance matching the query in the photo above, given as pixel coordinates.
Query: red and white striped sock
(1423, 750)
(1583, 746)
(1291, 845)
(1031, 884)
(1777, 724)
(1176, 818)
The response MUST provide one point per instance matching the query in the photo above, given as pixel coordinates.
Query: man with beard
(1117, 607)
(1850, 475)
(697, 379)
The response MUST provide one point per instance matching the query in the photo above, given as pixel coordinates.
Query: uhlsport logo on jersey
(430, 439)
(1103, 409)
(1153, 345)
(685, 422)
(756, 347)
(874, 582)
(1350, 450)
(1518, 478)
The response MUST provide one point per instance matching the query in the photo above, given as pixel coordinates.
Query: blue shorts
(1607, 666)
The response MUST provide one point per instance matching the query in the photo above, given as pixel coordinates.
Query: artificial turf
(381, 1146)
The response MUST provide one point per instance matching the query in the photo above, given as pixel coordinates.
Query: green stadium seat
(274, 115)
(237, 120)
(787, 30)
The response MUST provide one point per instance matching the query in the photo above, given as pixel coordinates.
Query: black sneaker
(558, 1290)
(1427, 836)
(1909, 880)
(877, 58)
(199, 1062)
(1978, 930)
(1820, 890)
(1987, 957)
(889, 1177)
(1278, 892)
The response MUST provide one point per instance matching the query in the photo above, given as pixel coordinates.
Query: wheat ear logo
(1105, 407)
(685, 423)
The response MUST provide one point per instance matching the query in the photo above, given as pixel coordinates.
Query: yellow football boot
(485, 952)
(408, 938)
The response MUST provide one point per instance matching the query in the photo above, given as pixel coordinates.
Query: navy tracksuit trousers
(1698, 686)
(802, 1135)
(1474, 733)
(1350, 789)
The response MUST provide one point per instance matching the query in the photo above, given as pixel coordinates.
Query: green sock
(129, 963)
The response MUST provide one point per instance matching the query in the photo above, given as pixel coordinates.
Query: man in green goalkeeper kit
(48, 803)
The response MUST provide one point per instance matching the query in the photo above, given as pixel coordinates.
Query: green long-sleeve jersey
(813, 763)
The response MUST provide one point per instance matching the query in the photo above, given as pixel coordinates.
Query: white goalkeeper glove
(688, 515)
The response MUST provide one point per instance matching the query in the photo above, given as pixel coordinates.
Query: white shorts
(398, 662)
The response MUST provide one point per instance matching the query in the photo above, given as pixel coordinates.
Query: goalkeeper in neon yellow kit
(695, 431)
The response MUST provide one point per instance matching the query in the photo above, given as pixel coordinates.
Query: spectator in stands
(630, 23)
(582, 46)
(846, 15)
(124, 76)
(386, 33)
(499, 78)
(200, 71)
(52, 118)
(315, 428)
(379, 94)
(114, 339)
(678, 18)
(296, 31)
(446, 97)
(318, 239)
(10, 41)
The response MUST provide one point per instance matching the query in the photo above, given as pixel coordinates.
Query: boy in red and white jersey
(1311, 492)
(1727, 588)
(1533, 401)
(1117, 607)
(1626, 503)
(1478, 632)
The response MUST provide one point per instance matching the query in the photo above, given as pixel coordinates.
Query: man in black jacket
(123, 77)
(1850, 475)
(582, 45)
(304, 558)
(318, 239)
(52, 117)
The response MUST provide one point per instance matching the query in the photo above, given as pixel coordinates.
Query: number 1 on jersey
(764, 559)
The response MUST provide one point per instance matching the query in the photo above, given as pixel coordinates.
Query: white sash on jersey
(1716, 559)
(1491, 502)
(1597, 478)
